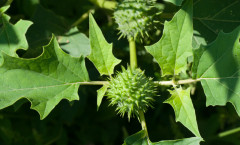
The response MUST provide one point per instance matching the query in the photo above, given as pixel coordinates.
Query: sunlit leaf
(101, 51)
(175, 45)
(183, 108)
(44, 80)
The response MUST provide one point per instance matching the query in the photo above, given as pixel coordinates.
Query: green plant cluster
(65, 61)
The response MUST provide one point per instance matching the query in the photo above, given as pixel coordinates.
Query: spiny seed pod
(135, 17)
(131, 91)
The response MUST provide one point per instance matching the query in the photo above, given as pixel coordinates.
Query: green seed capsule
(131, 91)
(135, 17)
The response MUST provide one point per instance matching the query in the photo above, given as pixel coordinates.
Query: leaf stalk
(160, 83)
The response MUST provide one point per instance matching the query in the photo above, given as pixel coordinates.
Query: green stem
(229, 132)
(133, 64)
(133, 53)
(143, 124)
(82, 18)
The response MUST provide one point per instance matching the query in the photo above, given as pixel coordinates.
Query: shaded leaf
(101, 51)
(183, 108)
(44, 80)
(100, 94)
(172, 50)
(75, 43)
(138, 138)
(212, 16)
(45, 22)
(218, 69)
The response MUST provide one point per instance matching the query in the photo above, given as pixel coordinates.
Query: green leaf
(218, 69)
(100, 94)
(175, 2)
(44, 80)
(212, 16)
(12, 37)
(172, 50)
(185, 141)
(183, 108)
(75, 43)
(101, 51)
(4, 9)
(138, 138)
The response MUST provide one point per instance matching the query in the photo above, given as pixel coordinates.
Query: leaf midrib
(40, 87)
(180, 34)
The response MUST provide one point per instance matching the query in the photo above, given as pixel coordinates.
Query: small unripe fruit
(135, 17)
(131, 91)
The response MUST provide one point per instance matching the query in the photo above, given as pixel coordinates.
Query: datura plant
(57, 75)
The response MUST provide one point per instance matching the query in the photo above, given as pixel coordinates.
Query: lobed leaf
(217, 65)
(101, 51)
(172, 50)
(183, 108)
(44, 80)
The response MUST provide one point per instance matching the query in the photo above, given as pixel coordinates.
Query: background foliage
(79, 122)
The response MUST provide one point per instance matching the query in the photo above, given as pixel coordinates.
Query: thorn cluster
(135, 18)
(131, 91)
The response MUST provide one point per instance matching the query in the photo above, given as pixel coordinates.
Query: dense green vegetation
(56, 57)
